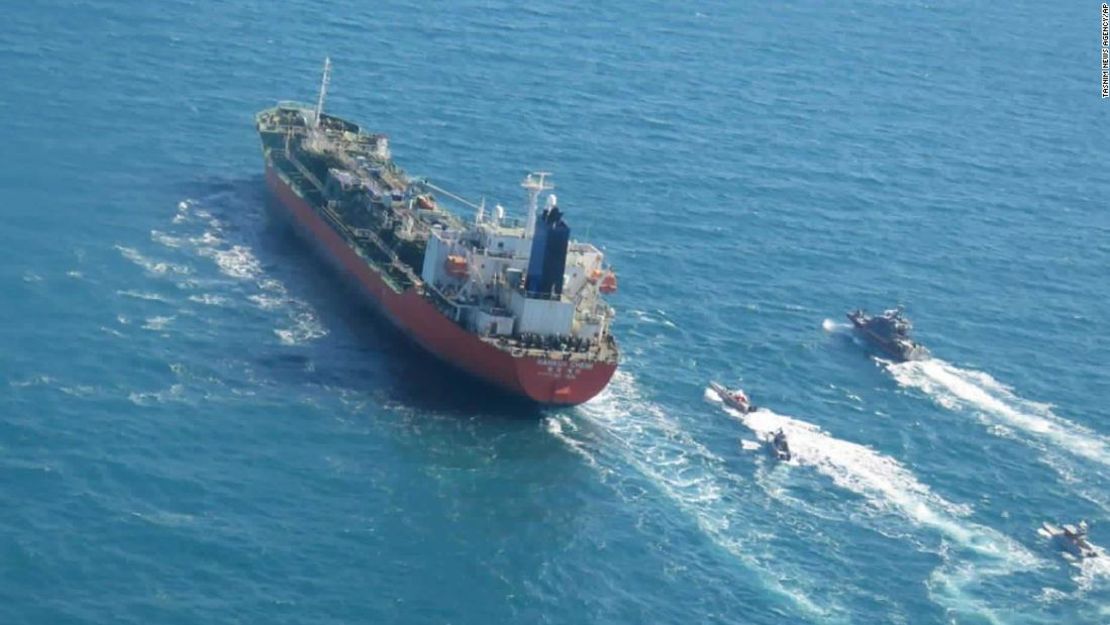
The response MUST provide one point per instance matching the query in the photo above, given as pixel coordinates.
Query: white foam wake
(234, 260)
(305, 327)
(953, 387)
(881, 480)
(890, 487)
(639, 433)
(237, 262)
(151, 265)
(209, 299)
(565, 429)
(157, 323)
(658, 317)
(144, 295)
(1090, 570)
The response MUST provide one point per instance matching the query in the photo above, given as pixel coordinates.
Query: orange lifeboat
(456, 266)
(426, 202)
(608, 283)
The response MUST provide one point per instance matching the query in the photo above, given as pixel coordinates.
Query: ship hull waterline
(545, 380)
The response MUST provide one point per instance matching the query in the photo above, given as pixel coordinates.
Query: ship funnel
(548, 260)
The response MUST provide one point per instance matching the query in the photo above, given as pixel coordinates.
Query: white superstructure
(482, 267)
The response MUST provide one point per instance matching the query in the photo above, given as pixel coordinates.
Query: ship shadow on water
(363, 351)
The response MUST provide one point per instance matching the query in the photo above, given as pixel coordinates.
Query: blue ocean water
(197, 424)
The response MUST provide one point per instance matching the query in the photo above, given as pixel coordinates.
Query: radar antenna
(323, 92)
(536, 183)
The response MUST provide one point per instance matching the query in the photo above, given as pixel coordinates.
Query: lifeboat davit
(456, 266)
(608, 283)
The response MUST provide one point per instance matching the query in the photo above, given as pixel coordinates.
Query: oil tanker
(513, 302)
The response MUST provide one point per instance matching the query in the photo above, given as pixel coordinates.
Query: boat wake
(881, 480)
(621, 428)
(658, 317)
(888, 487)
(956, 388)
(1090, 571)
(1087, 571)
(151, 266)
(748, 445)
(236, 261)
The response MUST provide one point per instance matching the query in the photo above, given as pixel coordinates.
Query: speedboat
(737, 399)
(779, 446)
(1072, 537)
(889, 332)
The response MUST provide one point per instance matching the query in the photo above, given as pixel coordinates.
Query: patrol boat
(737, 399)
(889, 332)
(1071, 537)
(780, 447)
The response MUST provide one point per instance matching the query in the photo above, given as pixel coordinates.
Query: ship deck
(354, 149)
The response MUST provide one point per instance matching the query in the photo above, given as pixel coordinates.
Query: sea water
(198, 424)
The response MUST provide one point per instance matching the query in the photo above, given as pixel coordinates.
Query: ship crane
(323, 92)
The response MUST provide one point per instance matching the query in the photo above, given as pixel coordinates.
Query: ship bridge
(507, 278)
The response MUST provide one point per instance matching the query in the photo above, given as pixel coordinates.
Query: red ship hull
(541, 379)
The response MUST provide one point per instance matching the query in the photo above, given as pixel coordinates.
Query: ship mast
(323, 92)
(536, 183)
